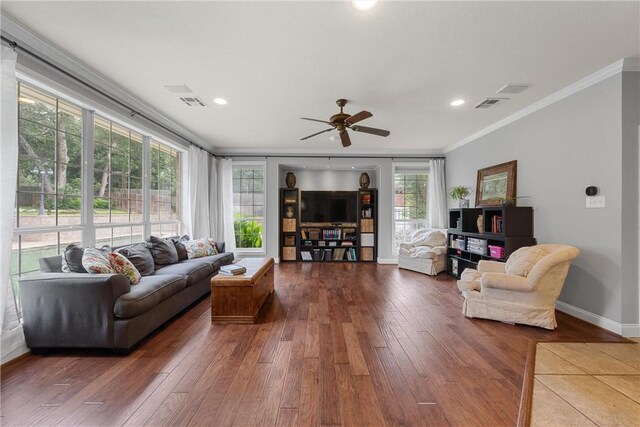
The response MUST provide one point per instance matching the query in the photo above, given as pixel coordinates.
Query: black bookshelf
(289, 231)
(506, 227)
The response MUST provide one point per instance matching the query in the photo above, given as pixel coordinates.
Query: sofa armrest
(70, 309)
(485, 266)
(220, 246)
(505, 282)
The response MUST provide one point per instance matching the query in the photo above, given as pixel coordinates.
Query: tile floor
(586, 384)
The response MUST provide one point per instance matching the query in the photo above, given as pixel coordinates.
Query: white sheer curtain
(214, 202)
(437, 194)
(225, 200)
(198, 218)
(11, 335)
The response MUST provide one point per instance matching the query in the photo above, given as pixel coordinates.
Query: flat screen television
(329, 206)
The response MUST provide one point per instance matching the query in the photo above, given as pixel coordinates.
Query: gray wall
(561, 149)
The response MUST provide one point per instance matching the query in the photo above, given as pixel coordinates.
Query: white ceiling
(278, 61)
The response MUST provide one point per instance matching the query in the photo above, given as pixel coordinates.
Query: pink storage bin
(496, 251)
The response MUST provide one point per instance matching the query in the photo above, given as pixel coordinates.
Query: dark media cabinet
(328, 241)
(505, 228)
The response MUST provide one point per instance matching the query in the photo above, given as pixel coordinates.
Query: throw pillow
(122, 265)
(178, 242)
(214, 245)
(140, 257)
(72, 259)
(163, 251)
(95, 262)
(429, 238)
(522, 261)
(199, 248)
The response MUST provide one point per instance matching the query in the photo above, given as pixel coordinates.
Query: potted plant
(460, 194)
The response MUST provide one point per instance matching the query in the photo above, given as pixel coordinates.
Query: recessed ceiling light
(353, 167)
(220, 101)
(363, 5)
(457, 102)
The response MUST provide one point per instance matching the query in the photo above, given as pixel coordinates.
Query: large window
(48, 212)
(118, 203)
(248, 205)
(409, 202)
(165, 190)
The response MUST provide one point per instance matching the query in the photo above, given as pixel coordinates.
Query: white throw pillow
(522, 261)
(430, 238)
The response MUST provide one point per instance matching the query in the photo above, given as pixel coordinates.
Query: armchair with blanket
(522, 290)
(427, 252)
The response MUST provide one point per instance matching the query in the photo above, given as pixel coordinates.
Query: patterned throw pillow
(95, 262)
(214, 246)
(199, 248)
(122, 265)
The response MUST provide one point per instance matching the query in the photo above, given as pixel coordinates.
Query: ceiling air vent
(511, 89)
(193, 101)
(489, 102)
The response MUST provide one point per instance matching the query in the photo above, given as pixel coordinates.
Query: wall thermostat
(591, 191)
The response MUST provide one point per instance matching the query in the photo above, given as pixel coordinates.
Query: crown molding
(581, 84)
(35, 43)
(274, 152)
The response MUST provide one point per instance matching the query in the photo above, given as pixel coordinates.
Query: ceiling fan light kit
(343, 121)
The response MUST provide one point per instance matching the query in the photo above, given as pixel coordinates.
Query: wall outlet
(595, 202)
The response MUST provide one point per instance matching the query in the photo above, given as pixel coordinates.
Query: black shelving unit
(289, 224)
(506, 227)
(321, 247)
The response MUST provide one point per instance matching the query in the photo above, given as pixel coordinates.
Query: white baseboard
(624, 329)
(387, 260)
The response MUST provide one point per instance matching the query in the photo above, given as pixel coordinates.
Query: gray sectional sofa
(105, 310)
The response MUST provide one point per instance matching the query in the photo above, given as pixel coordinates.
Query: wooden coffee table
(238, 299)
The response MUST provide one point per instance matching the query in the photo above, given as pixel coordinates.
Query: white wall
(561, 149)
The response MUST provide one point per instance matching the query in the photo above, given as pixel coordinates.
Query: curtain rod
(319, 156)
(14, 45)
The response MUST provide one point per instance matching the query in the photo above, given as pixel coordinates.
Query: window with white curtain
(410, 212)
(48, 210)
(165, 176)
(248, 205)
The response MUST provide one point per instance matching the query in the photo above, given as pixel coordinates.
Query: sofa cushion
(192, 271)
(140, 257)
(95, 262)
(214, 260)
(122, 265)
(148, 293)
(163, 251)
(178, 242)
(199, 248)
(522, 261)
(72, 259)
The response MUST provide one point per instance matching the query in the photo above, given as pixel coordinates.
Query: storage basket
(496, 251)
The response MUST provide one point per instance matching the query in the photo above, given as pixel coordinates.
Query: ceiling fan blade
(344, 137)
(358, 117)
(372, 131)
(317, 133)
(316, 120)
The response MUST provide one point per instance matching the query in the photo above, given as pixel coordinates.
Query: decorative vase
(480, 223)
(289, 212)
(463, 203)
(290, 180)
(364, 180)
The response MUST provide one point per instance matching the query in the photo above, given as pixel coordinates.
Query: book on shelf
(322, 243)
(306, 255)
(303, 234)
(232, 269)
(338, 254)
(351, 254)
(346, 243)
(327, 254)
(331, 234)
(333, 243)
(496, 224)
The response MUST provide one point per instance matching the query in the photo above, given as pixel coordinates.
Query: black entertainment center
(320, 226)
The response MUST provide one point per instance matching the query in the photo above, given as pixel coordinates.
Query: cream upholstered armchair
(522, 290)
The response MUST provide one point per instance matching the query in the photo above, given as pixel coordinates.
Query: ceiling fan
(343, 121)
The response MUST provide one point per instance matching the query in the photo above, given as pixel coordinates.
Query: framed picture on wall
(496, 184)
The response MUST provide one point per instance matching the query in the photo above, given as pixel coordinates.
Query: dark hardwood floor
(338, 344)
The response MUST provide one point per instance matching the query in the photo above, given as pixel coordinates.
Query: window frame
(406, 167)
(245, 164)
